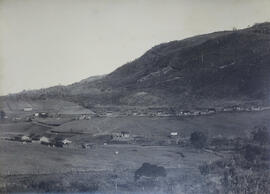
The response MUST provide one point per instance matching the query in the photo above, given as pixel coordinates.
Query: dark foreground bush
(261, 135)
(198, 139)
(150, 171)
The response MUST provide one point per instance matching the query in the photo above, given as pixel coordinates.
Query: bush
(150, 171)
(261, 135)
(198, 139)
(2, 114)
(251, 152)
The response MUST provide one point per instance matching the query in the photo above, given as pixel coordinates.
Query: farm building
(27, 109)
(122, 136)
(88, 145)
(44, 140)
(196, 113)
(172, 134)
(237, 108)
(255, 108)
(84, 117)
(25, 138)
(66, 141)
(211, 110)
(43, 115)
(227, 109)
(185, 113)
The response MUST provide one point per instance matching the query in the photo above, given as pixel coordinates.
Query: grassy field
(15, 107)
(21, 163)
(236, 124)
(18, 158)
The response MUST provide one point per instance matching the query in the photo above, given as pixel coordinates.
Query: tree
(2, 114)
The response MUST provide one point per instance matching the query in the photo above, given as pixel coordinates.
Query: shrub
(198, 139)
(251, 152)
(261, 135)
(150, 171)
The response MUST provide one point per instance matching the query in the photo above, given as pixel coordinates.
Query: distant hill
(206, 70)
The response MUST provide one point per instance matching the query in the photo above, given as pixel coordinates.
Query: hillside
(206, 70)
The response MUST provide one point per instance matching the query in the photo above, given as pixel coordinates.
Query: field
(110, 166)
(222, 124)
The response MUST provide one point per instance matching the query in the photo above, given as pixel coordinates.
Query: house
(88, 145)
(28, 119)
(236, 108)
(17, 119)
(255, 108)
(211, 110)
(122, 136)
(44, 140)
(185, 113)
(227, 109)
(109, 114)
(125, 134)
(172, 134)
(25, 138)
(27, 109)
(66, 141)
(43, 115)
(196, 113)
(82, 117)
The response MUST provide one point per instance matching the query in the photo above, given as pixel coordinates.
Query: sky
(50, 42)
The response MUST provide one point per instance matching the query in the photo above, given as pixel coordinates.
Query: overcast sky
(50, 42)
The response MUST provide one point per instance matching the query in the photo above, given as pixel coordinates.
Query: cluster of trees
(246, 171)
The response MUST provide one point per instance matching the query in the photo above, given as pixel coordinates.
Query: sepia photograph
(135, 96)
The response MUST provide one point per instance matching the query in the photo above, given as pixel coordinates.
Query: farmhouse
(84, 117)
(26, 138)
(227, 109)
(44, 140)
(109, 114)
(185, 113)
(66, 141)
(196, 113)
(123, 136)
(43, 115)
(27, 109)
(237, 108)
(211, 110)
(173, 134)
(255, 108)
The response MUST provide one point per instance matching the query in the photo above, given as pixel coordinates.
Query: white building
(66, 141)
(27, 109)
(173, 133)
(44, 139)
(25, 138)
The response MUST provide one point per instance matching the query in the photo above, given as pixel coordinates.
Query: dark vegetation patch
(150, 171)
